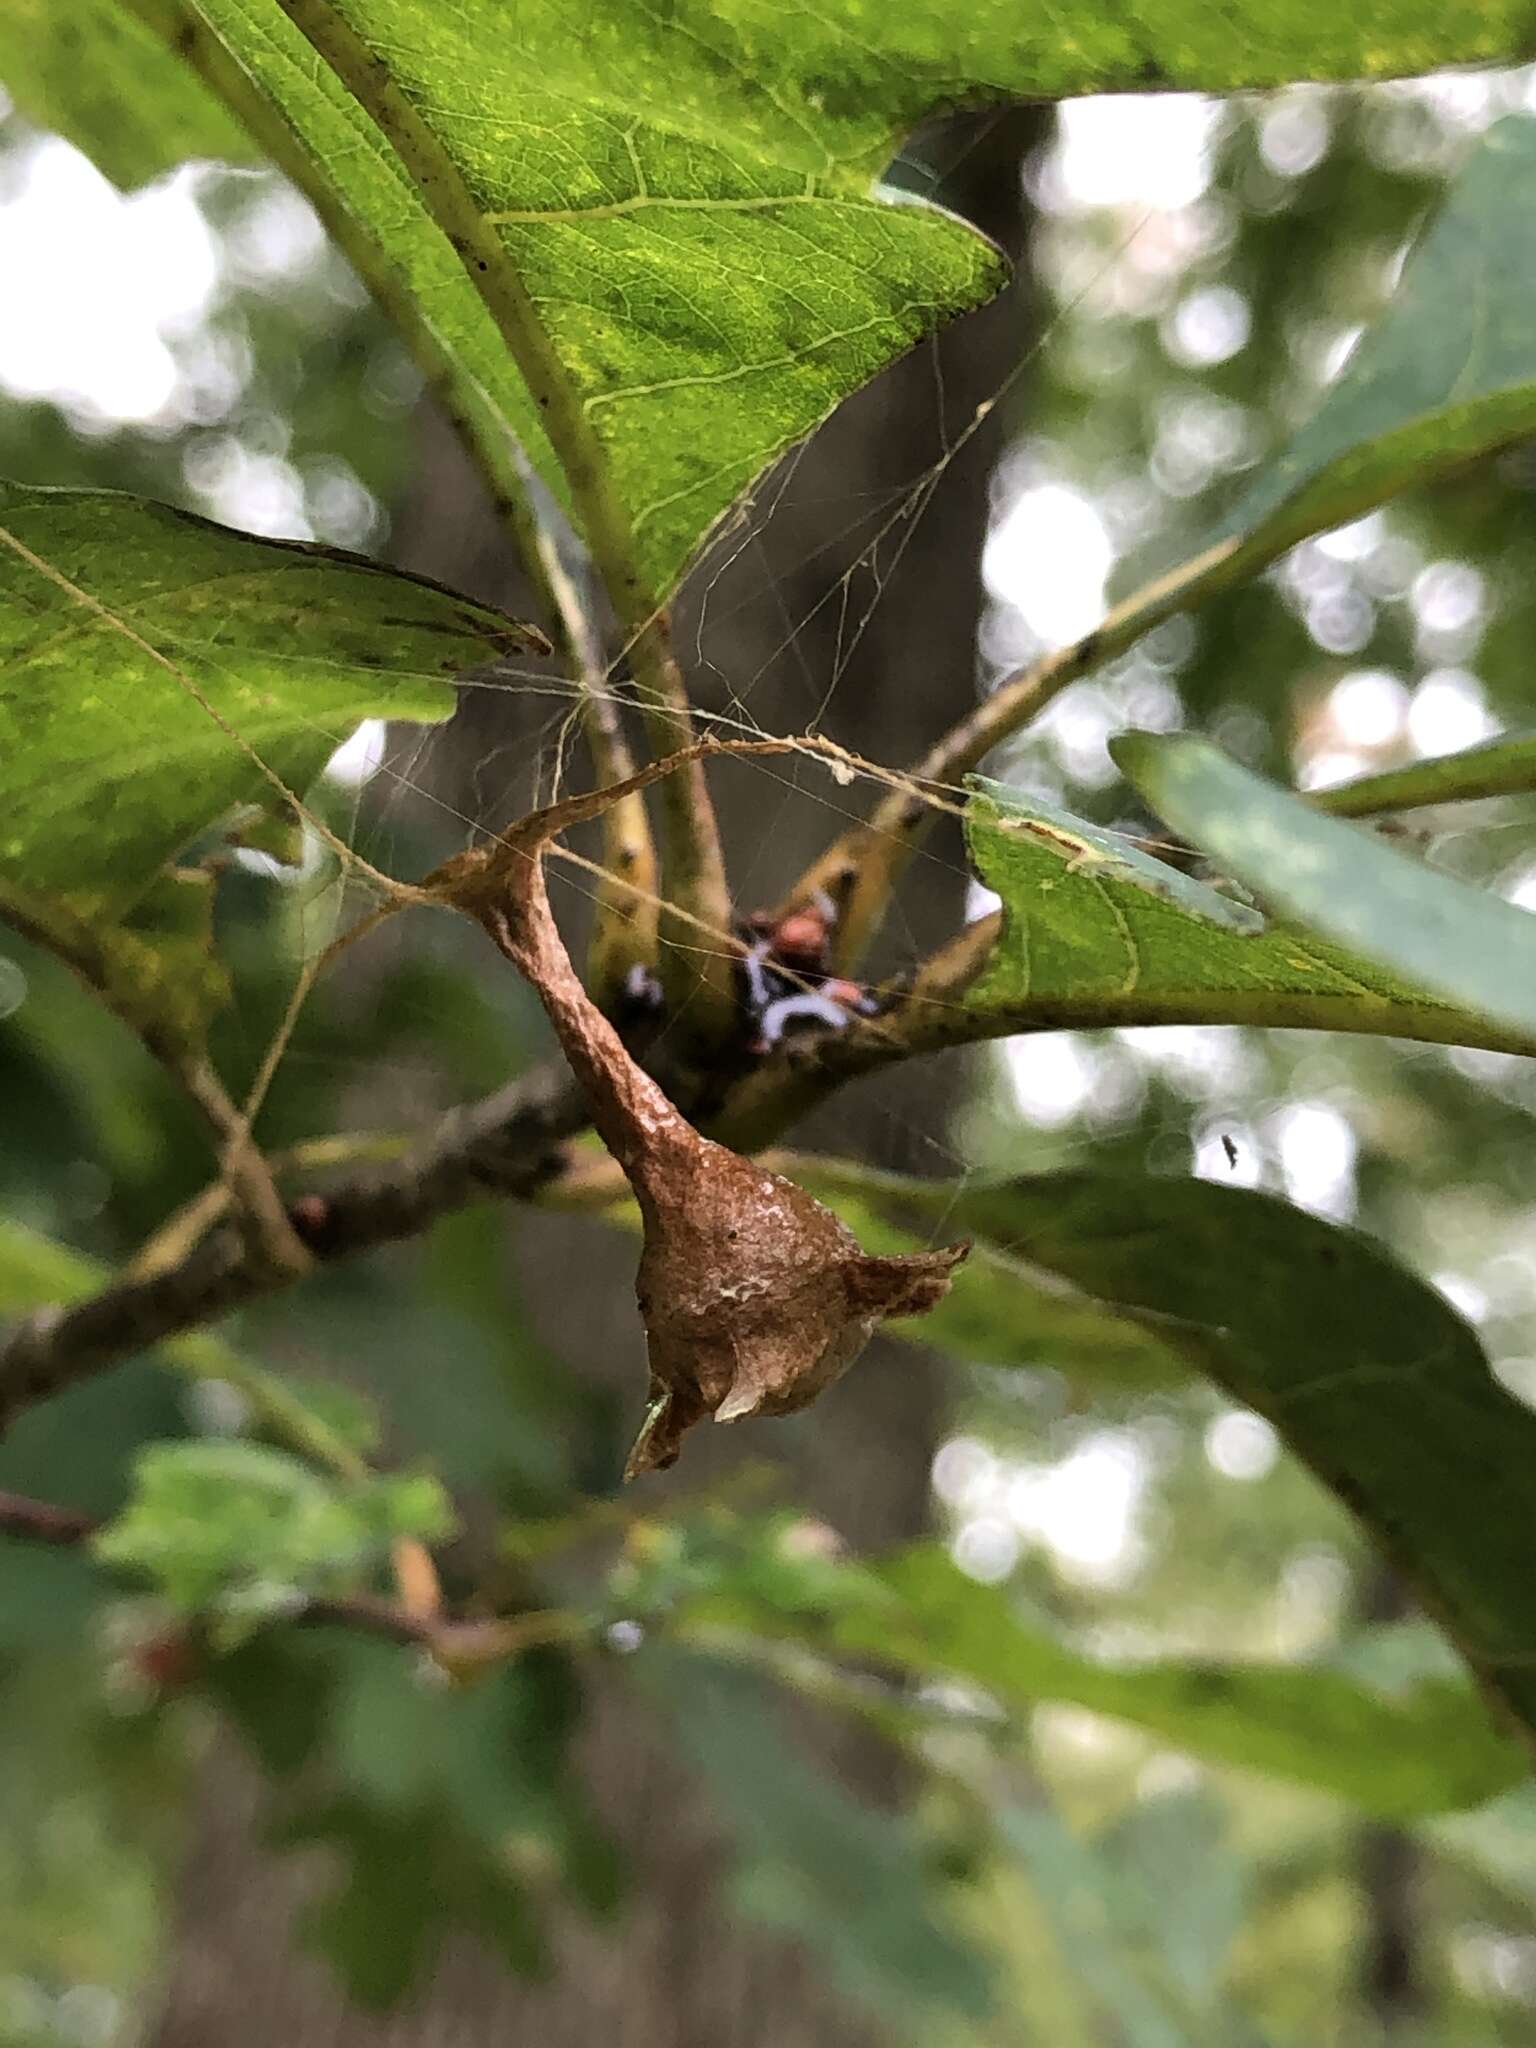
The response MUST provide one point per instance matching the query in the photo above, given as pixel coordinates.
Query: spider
(783, 982)
(786, 985)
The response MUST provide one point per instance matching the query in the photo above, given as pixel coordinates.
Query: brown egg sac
(754, 1296)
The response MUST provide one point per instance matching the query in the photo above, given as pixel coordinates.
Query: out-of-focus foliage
(101, 77)
(1196, 335)
(241, 1533)
(1415, 1744)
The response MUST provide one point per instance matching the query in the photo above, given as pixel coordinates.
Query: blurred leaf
(1087, 941)
(406, 1884)
(1117, 1930)
(493, 1755)
(1395, 1750)
(244, 1533)
(68, 65)
(382, 1923)
(153, 662)
(717, 276)
(1183, 1885)
(472, 1787)
(75, 1449)
(36, 1270)
(1502, 767)
(92, 1799)
(846, 1879)
(1496, 1842)
(157, 971)
(1447, 374)
(1342, 880)
(1368, 1374)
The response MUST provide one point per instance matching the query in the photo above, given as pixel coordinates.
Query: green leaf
(473, 1787)
(1496, 1844)
(1447, 374)
(1092, 849)
(243, 1533)
(1398, 1750)
(382, 1924)
(407, 1882)
(1118, 1936)
(1502, 767)
(1341, 880)
(67, 65)
(703, 251)
(1011, 1314)
(1368, 1374)
(845, 1878)
(36, 1270)
(1089, 941)
(155, 664)
(157, 970)
(1424, 1748)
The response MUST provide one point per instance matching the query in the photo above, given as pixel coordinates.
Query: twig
(624, 932)
(243, 1169)
(459, 1645)
(861, 867)
(515, 1143)
(173, 1241)
(40, 1521)
(693, 866)
(510, 1144)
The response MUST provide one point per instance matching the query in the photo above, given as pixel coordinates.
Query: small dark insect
(1230, 1148)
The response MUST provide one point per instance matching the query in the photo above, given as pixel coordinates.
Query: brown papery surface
(754, 1296)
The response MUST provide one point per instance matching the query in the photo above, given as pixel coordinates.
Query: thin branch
(40, 1521)
(929, 1012)
(510, 1144)
(244, 1171)
(175, 1238)
(861, 867)
(625, 928)
(693, 866)
(513, 1144)
(461, 1646)
(1502, 767)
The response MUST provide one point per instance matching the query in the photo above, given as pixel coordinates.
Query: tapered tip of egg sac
(909, 1285)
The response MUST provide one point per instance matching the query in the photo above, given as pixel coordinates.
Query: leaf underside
(700, 236)
(149, 655)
